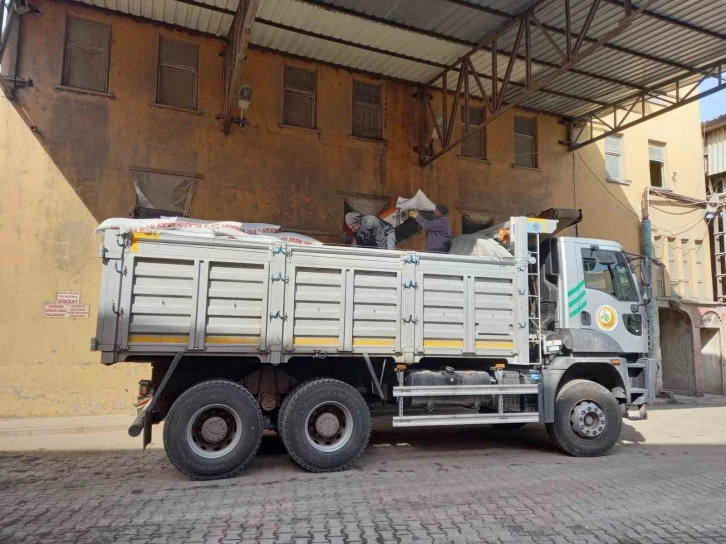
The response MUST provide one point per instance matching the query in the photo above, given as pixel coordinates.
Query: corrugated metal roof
(413, 39)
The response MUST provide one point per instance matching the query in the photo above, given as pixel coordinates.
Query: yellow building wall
(58, 184)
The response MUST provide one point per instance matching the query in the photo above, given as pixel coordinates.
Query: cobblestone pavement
(665, 483)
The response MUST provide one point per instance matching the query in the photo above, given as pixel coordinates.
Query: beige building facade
(112, 94)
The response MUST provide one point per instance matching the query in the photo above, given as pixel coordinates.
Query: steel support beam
(410, 58)
(564, 32)
(239, 39)
(633, 110)
(497, 106)
(673, 21)
(393, 24)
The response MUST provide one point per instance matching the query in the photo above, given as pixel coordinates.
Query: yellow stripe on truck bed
(235, 340)
(482, 344)
(315, 341)
(136, 236)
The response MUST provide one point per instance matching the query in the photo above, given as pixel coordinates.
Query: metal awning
(581, 60)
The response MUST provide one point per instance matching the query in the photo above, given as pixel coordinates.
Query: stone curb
(71, 429)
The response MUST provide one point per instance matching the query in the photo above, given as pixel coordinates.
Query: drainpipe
(651, 309)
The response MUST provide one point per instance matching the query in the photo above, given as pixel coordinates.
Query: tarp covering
(366, 205)
(164, 191)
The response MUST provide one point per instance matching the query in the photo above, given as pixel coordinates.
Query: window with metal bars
(525, 142)
(177, 74)
(475, 145)
(86, 55)
(299, 104)
(367, 117)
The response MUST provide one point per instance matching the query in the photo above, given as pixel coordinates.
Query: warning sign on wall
(68, 306)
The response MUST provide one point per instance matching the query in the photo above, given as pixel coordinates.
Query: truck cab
(593, 299)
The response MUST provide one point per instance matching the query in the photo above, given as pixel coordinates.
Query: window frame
(663, 163)
(159, 64)
(482, 134)
(368, 105)
(303, 92)
(65, 69)
(619, 154)
(621, 264)
(533, 138)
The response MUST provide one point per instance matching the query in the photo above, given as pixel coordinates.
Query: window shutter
(299, 98)
(178, 72)
(87, 48)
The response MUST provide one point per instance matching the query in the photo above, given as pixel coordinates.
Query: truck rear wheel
(325, 425)
(587, 419)
(213, 430)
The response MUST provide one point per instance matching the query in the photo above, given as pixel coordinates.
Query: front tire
(325, 425)
(213, 430)
(587, 419)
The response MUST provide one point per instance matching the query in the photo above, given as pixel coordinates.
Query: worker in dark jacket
(371, 231)
(437, 230)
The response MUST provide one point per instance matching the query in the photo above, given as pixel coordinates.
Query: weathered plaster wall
(57, 185)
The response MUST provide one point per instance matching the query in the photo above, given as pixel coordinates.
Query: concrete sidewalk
(114, 422)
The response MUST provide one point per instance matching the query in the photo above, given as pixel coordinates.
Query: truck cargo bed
(164, 293)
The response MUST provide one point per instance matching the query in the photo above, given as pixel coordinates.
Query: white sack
(471, 244)
(418, 202)
(125, 224)
(294, 238)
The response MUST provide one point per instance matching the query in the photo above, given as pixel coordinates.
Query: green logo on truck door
(576, 300)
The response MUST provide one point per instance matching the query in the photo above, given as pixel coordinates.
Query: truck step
(464, 390)
(638, 391)
(636, 365)
(464, 419)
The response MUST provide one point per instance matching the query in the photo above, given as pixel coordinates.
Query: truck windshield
(614, 279)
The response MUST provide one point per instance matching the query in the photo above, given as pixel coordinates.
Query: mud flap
(145, 418)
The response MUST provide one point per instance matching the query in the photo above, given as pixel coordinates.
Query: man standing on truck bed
(438, 229)
(371, 231)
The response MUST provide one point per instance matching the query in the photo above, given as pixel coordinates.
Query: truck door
(610, 296)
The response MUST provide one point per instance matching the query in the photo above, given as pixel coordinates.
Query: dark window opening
(367, 117)
(471, 226)
(87, 48)
(525, 142)
(609, 272)
(475, 145)
(300, 97)
(177, 74)
(656, 156)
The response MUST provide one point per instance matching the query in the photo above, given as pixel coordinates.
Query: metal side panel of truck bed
(164, 293)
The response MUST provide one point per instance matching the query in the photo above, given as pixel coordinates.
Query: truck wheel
(213, 430)
(587, 419)
(325, 425)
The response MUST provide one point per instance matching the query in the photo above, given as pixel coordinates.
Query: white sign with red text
(68, 306)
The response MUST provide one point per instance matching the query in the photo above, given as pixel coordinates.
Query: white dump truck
(250, 335)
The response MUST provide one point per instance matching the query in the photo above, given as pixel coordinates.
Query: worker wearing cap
(437, 230)
(371, 231)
